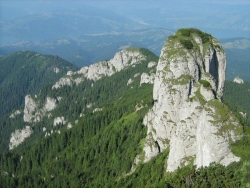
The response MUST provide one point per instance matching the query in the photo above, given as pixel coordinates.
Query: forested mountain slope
(88, 128)
(23, 73)
(65, 101)
(237, 97)
(26, 72)
(109, 130)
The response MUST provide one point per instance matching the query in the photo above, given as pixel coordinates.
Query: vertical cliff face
(187, 116)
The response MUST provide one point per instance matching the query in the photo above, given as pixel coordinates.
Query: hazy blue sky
(223, 18)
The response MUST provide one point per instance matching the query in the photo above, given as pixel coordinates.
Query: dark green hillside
(237, 97)
(100, 148)
(25, 72)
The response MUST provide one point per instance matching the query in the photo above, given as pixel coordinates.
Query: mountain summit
(188, 117)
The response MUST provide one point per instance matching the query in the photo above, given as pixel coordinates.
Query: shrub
(187, 43)
(185, 32)
(205, 83)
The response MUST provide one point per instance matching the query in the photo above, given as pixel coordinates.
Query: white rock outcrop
(97, 110)
(187, 116)
(56, 70)
(69, 126)
(34, 114)
(14, 114)
(238, 80)
(129, 81)
(29, 108)
(121, 60)
(65, 81)
(19, 136)
(148, 79)
(59, 120)
(151, 64)
(50, 104)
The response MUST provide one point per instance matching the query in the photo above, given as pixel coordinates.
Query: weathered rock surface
(29, 108)
(31, 111)
(148, 79)
(121, 60)
(187, 116)
(56, 70)
(14, 114)
(50, 104)
(59, 120)
(238, 80)
(19, 136)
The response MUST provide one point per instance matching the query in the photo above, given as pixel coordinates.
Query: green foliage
(24, 73)
(205, 37)
(205, 83)
(241, 148)
(90, 153)
(237, 98)
(100, 149)
(27, 72)
(222, 112)
(182, 80)
(185, 32)
(187, 43)
(152, 174)
(215, 175)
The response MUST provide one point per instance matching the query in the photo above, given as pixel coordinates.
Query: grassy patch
(222, 110)
(205, 83)
(200, 97)
(182, 80)
(241, 148)
(187, 43)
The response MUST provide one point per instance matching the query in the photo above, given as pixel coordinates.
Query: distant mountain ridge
(238, 57)
(91, 48)
(69, 23)
(236, 43)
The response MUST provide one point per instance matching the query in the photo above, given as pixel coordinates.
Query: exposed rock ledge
(31, 111)
(14, 114)
(59, 120)
(147, 79)
(19, 136)
(96, 71)
(238, 80)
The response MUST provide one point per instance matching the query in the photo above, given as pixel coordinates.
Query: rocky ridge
(121, 60)
(35, 110)
(188, 117)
